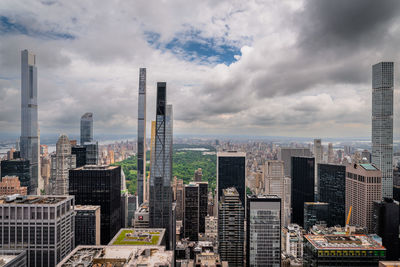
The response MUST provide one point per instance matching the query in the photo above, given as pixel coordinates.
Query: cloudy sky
(288, 68)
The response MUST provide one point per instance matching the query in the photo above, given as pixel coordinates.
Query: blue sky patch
(7, 26)
(191, 46)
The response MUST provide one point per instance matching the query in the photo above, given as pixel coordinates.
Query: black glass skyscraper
(160, 206)
(80, 153)
(101, 186)
(302, 174)
(231, 172)
(19, 168)
(332, 190)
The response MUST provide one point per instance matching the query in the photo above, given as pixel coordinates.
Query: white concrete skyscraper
(141, 135)
(29, 141)
(382, 123)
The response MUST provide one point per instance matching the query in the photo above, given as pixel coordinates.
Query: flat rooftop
(86, 207)
(138, 237)
(4, 259)
(368, 167)
(231, 154)
(32, 200)
(96, 167)
(344, 242)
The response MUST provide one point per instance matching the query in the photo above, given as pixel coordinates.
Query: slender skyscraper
(382, 123)
(141, 135)
(161, 167)
(29, 119)
(86, 128)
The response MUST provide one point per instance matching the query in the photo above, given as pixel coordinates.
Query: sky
(267, 68)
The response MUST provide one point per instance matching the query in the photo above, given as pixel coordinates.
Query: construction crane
(348, 221)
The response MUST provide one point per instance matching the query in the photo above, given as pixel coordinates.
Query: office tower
(211, 230)
(146, 182)
(276, 184)
(87, 225)
(17, 167)
(30, 142)
(132, 202)
(13, 258)
(141, 135)
(41, 225)
(231, 227)
(45, 167)
(382, 123)
(11, 185)
(331, 155)
(203, 204)
(318, 155)
(179, 199)
(286, 153)
(363, 187)
(263, 226)
(332, 190)
(86, 128)
(365, 154)
(161, 168)
(210, 207)
(80, 154)
(342, 250)
(92, 153)
(386, 225)
(61, 163)
(315, 213)
(100, 186)
(124, 209)
(302, 187)
(198, 175)
(231, 172)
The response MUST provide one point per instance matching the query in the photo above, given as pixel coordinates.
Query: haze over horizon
(275, 68)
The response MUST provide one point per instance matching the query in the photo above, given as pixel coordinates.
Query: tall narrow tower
(141, 135)
(382, 123)
(29, 118)
(161, 167)
(86, 128)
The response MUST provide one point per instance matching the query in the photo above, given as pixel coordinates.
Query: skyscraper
(160, 206)
(332, 190)
(101, 186)
(231, 227)
(231, 172)
(263, 233)
(363, 187)
(286, 153)
(17, 167)
(277, 184)
(61, 163)
(382, 123)
(331, 156)
(314, 213)
(29, 119)
(302, 186)
(141, 135)
(198, 174)
(318, 155)
(87, 225)
(86, 128)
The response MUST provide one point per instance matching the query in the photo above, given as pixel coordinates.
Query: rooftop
(344, 242)
(263, 196)
(32, 200)
(231, 154)
(86, 207)
(96, 167)
(4, 259)
(138, 237)
(368, 167)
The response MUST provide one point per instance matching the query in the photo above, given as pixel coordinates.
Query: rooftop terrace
(138, 237)
(343, 242)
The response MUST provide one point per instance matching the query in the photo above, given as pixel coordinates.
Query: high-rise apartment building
(231, 227)
(302, 186)
(263, 234)
(211, 231)
(332, 190)
(286, 153)
(100, 186)
(161, 167)
(318, 155)
(315, 213)
(198, 175)
(41, 225)
(331, 155)
(87, 225)
(29, 140)
(231, 172)
(382, 123)
(17, 167)
(277, 184)
(86, 128)
(363, 187)
(179, 194)
(45, 167)
(61, 163)
(141, 135)
(11, 185)
(386, 225)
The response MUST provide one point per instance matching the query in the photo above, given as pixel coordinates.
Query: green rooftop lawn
(122, 239)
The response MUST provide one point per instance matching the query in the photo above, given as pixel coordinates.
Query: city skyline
(210, 64)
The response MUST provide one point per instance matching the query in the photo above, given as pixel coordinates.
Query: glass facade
(87, 128)
(332, 190)
(141, 135)
(315, 213)
(19, 168)
(302, 186)
(382, 123)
